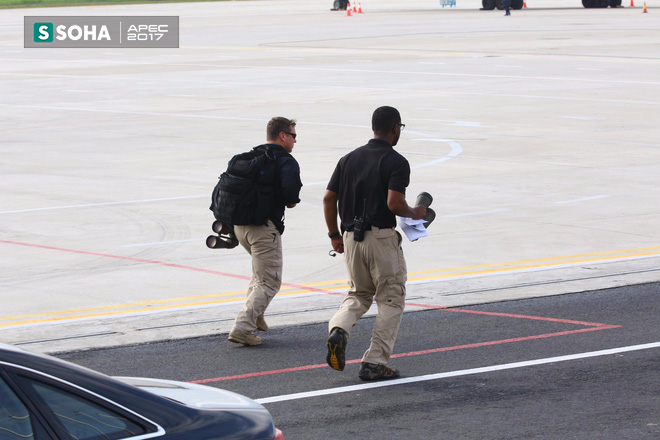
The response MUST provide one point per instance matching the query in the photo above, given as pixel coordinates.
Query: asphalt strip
(428, 377)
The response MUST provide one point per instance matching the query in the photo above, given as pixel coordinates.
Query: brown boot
(245, 338)
(261, 324)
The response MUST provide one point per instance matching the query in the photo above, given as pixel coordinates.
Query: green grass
(8, 4)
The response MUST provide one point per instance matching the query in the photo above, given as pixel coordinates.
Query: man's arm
(396, 202)
(330, 212)
(290, 182)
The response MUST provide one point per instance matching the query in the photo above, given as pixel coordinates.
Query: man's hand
(330, 200)
(338, 244)
(419, 212)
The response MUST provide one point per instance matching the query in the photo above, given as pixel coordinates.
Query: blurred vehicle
(339, 5)
(489, 5)
(42, 397)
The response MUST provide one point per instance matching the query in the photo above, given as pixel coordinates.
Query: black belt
(366, 228)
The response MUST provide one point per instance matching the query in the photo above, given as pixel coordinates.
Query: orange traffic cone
(354, 9)
(524, 4)
(644, 11)
(348, 9)
(632, 3)
(359, 7)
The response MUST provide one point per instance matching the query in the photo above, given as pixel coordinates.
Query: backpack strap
(271, 154)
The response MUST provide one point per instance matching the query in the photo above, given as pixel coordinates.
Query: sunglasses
(293, 135)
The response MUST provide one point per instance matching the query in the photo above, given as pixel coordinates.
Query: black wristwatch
(334, 234)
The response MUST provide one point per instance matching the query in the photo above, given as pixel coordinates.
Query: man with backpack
(281, 184)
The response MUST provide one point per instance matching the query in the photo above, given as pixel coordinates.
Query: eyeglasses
(293, 135)
(402, 126)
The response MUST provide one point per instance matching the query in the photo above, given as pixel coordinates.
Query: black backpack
(245, 193)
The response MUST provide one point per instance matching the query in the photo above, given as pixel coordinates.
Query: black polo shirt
(366, 174)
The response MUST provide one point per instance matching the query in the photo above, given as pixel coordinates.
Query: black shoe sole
(371, 375)
(379, 377)
(336, 357)
(333, 360)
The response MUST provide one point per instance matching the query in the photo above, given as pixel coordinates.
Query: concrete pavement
(534, 134)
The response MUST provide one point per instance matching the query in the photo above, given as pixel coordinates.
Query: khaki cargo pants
(264, 244)
(377, 272)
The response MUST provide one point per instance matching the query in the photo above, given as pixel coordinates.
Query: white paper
(414, 229)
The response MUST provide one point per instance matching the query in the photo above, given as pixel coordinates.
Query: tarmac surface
(536, 134)
(576, 366)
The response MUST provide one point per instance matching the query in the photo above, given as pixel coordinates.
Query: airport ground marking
(536, 263)
(458, 373)
(150, 308)
(93, 205)
(590, 327)
(512, 315)
(333, 287)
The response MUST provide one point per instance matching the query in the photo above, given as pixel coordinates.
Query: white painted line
(492, 211)
(449, 122)
(428, 377)
(120, 112)
(583, 199)
(157, 243)
(583, 118)
(89, 205)
(456, 149)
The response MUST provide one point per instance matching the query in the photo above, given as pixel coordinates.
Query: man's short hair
(278, 124)
(384, 119)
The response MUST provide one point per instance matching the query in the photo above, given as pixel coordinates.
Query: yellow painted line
(544, 262)
(525, 267)
(333, 285)
(122, 306)
(125, 312)
(183, 302)
(325, 284)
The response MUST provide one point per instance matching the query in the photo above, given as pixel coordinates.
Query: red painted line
(509, 315)
(162, 263)
(120, 257)
(261, 373)
(504, 341)
(592, 326)
(412, 353)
